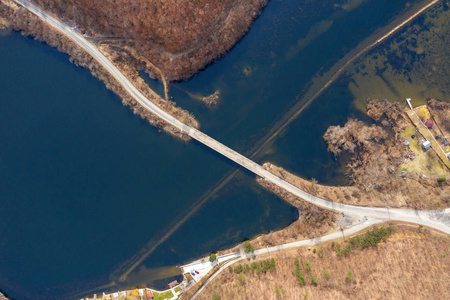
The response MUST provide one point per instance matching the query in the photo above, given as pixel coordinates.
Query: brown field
(413, 263)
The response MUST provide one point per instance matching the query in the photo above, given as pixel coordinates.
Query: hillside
(413, 262)
(177, 36)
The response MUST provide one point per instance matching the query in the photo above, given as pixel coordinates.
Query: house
(426, 145)
(429, 123)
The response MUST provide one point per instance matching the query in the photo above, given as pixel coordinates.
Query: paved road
(435, 219)
(204, 266)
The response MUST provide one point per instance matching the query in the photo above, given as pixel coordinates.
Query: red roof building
(429, 123)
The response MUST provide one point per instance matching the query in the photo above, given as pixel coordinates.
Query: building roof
(173, 283)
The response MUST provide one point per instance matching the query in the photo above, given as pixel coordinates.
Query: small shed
(149, 295)
(406, 143)
(426, 145)
(448, 156)
(429, 123)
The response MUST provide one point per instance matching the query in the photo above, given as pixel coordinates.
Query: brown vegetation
(375, 153)
(21, 20)
(212, 99)
(442, 111)
(413, 262)
(178, 36)
(372, 154)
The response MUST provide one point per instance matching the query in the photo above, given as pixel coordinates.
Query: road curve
(435, 219)
(205, 266)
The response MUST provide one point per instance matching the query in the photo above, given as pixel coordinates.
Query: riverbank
(178, 37)
(138, 294)
(3, 297)
(19, 19)
(385, 162)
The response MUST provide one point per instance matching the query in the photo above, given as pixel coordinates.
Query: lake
(86, 186)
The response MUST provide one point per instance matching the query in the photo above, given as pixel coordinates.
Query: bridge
(436, 219)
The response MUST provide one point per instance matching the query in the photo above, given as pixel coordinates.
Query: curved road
(204, 266)
(435, 219)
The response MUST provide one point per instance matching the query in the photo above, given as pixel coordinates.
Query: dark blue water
(281, 71)
(85, 184)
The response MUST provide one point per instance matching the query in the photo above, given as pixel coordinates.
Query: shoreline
(305, 99)
(26, 23)
(323, 255)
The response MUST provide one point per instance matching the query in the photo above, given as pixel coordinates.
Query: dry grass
(425, 163)
(413, 263)
(410, 193)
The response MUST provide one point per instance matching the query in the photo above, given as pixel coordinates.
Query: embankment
(21, 20)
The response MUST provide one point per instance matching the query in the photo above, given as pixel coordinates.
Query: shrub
(349, 276)
(308, 265)
(246, 268)
(247, 247)
(371, 238)
(299, 273)
(216, 296)
(277, 290)
(241, 277)
(238, 269)
(326, 274)
(254, 266)
(313, 279)
(212, 257)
